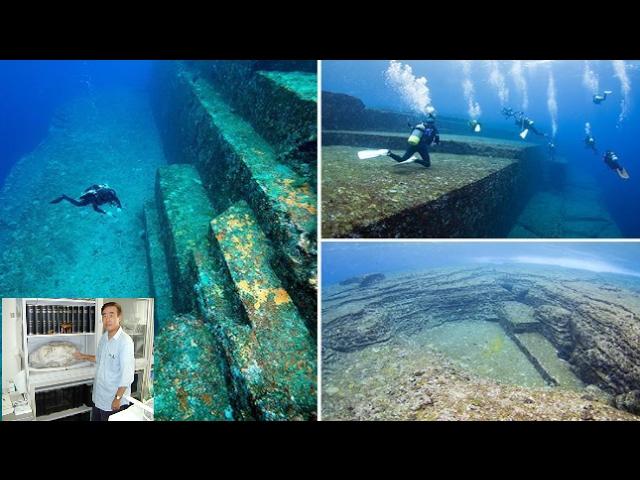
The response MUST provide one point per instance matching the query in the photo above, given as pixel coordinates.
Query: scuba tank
(416, 134)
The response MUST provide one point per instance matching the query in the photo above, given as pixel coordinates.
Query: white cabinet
(53, 320)
(66, 319)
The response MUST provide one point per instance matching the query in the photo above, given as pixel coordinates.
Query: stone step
(190, 378)
(285, 113)
(184, 212)
(216, 300)
(272, 347)
(544, 357)
(279, 100)
(518, 317)
(449, 143)
(157, 266)
(236, 162)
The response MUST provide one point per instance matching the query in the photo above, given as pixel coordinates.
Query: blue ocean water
(526, 86)
(343, 260)
(32, 90)
(67, 125)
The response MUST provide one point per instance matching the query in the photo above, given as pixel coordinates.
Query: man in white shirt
(115, 365)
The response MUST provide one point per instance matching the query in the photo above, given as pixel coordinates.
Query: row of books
(56, 319)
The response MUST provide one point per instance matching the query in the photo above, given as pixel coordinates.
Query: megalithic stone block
(190, 379)
(280, 105)
(185, 213)
(217, 302)
(158, 271)
(236, 162)
(276, 354)
(285, 114)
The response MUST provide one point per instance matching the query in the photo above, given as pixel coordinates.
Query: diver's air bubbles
(590, 79)
(517, 74)
(497, 81)
(552, 104)
(469, 91)
(414, 91)
(619, 68)
(587, 128)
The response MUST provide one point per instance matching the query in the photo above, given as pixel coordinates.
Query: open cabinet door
(137, 322)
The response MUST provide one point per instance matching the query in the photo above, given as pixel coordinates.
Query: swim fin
(608, 92)
(523, 134)
(363, 154)
(411, 159)
(622, 173)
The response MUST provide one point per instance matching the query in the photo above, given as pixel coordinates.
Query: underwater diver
(525, 124)
(590, 142)
(552, 151)
(508, 112)
(611, 159)
(422, 135)
(475, 126)
(598, 99)
(95, 195)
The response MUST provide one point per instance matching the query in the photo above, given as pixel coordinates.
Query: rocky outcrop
(365, 280)
(458, 196)
(391, 385)
(346, 112)
(592, 320)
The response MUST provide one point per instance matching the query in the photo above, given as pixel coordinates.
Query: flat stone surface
(282, 373)
(547, 356)
(302, 84)
(357, 193)
(519, 313)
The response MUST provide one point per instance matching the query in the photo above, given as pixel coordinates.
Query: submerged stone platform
(474, 187)
(579, 330)
(574, 210)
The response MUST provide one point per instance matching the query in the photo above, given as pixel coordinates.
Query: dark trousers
(98, 415)
(420, 148)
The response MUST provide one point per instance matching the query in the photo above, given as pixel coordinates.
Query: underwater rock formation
(237, 217)
(392, 385)
(574, 327)
(345, 112)
(105, 137)
(364, 280)
(476, 194)
(573, 209)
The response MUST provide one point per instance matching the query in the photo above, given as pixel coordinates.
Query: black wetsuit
(95, 195)
(611, 160)
(597, 99)
(430, 135)
(590, 142)
(524, 123)
(509, 112)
